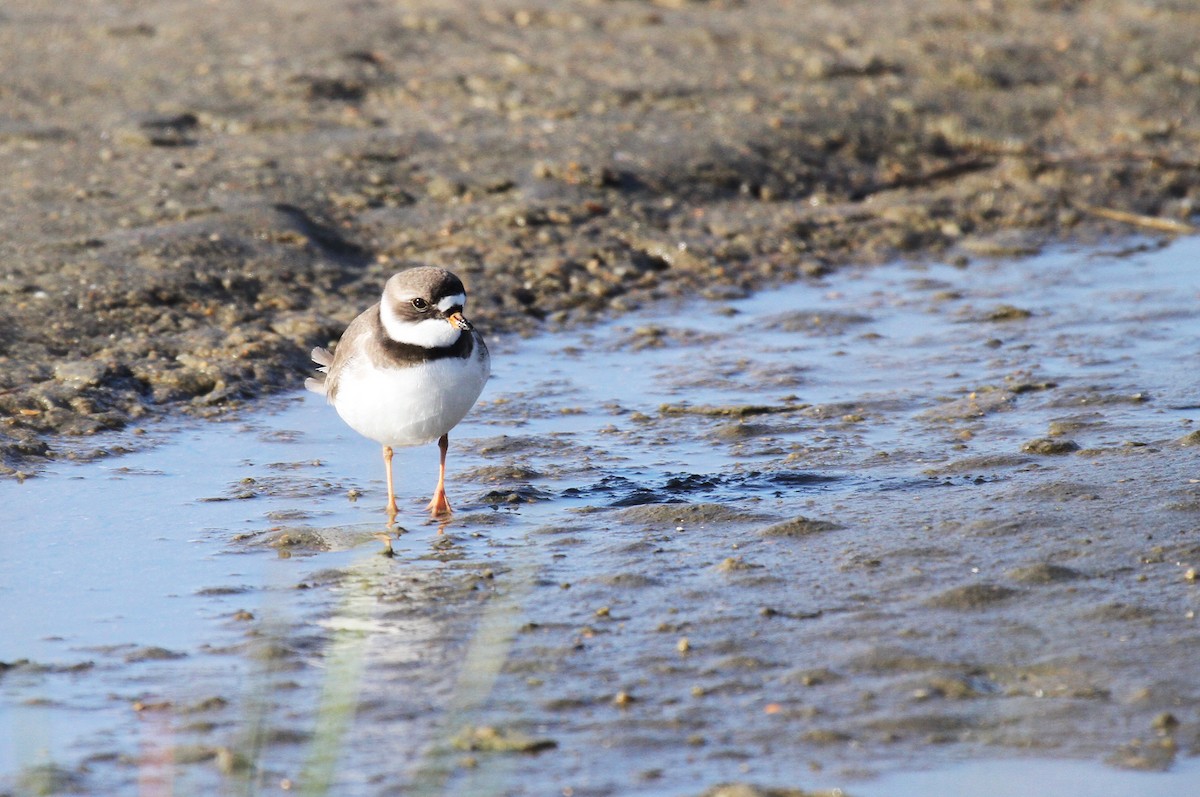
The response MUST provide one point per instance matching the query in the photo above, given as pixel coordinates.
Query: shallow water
(212, 612)
(1032, 776)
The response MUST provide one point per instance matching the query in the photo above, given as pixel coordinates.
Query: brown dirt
(195, 194)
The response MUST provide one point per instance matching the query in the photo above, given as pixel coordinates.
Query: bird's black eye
(420, 305)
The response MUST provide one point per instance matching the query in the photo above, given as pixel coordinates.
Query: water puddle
(1033, 776)
(890, 521)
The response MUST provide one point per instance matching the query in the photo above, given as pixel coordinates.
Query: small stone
(799, 527)
(1165, 722)
(1190, 439)
(488, 739)
(1049, 447)
(972, 596)
(443, 189)
(1044, 574)
(79, 373)
(735, 563)
(152, 654)
(1007, 312)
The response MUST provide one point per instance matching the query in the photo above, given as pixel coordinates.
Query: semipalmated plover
(407, 369)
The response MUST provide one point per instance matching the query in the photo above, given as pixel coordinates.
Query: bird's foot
(439, 505)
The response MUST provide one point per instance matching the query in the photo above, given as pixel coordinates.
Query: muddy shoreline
(975, 545)
(196, 195)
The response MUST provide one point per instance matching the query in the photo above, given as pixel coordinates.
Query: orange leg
(439, 505)
(387, 466)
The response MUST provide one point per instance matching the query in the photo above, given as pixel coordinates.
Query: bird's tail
(323, 359)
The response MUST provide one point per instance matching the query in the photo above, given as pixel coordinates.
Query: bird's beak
(458, 322)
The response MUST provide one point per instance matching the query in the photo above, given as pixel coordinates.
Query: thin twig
(1140, 220)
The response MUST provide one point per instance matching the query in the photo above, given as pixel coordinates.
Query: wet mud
(197, 195)
(860, 548)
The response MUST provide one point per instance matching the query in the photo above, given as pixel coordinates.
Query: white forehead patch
(457, 300)
(432, 333)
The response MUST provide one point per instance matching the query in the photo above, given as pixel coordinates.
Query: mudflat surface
(902, 518)
(195, 194)
(887, 518)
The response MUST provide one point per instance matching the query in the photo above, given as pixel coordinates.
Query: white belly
(410, 406)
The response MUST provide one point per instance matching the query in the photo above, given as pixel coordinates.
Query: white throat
(430, 333)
